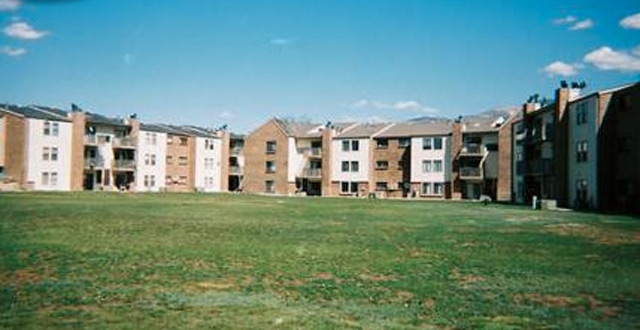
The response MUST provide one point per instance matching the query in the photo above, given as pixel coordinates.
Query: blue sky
(241, 62)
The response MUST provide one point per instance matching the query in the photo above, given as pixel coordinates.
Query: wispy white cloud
(12, 51)
(565, 20)
(631, 22)
(559, 68)
(398, 105)
(280, 42)
(22, 30)
(7, 5)
(605, 58)
(582, 25)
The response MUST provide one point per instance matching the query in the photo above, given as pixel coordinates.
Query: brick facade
(15, 148)
(256, 157)
(180, 175)
(398, 170)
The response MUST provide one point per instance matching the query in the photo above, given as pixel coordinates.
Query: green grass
(134, 261)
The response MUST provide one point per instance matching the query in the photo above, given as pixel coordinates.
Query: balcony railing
(312, 173)
(93, 162)
(471, 173)
(125, 164)
(234, 151)
(311, 152)
(235, 170)
(124, 142)
(473, 150)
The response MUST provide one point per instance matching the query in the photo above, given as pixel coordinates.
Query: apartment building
(603, 154)
(431, 160)
(181, 150)
(207, 158)
(236, 161)
(352, 158)
(35, 147)
(151, 165)
(104, 151)
(481, 153)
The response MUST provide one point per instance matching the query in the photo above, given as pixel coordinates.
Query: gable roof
(32, 112)
(416, 128)
(364, 130)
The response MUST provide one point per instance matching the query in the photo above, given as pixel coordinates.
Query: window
(381, 186)
(355, 167)
(270, 166)
(582, 151)
(169, 139)
(146, 181)
(426, 188)
(169, 160)
(382, 165)
(53, 181)
(404, 142)
(45, 178)
(355, 145)
(146, 159)
(437, 143)
(168, 180)
(437, 166)
(581, 113)
(269, 186)
(152, 180)
(345, 145)
(271, 147)
(345, 166)
(153, 160)
(184, 141)
(55, 129)
(348, 187)
(426, 166)
(208, 144)
(438, 188)
(582, 193)
(183, 160)
(382, 143)
(47, 129)
(150, 138)
(54, 154)
(427, 144)
(182, 180)
(45, 153)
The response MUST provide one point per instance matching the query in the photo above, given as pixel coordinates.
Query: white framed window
(437, 166)
(355, 166)
(347, 187)
(147, 159)
(270, 166)
(152, 159)
(54, 154)
(45, 178)
(152, 180)
(438, 188)
(427, 166)
(346, 145)
(146, 181)
(345, 166)
(46, 153)
(208, 144)
(355, 145)
(427, 189)
(46, 130)
(437, 143)
(427, 144)
(432, 188)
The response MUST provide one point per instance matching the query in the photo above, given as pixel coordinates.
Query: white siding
(584, 170)
(208, 176)
(418, 155)
(36, 166)
(158, 171)
(295, 160)
(361, 156)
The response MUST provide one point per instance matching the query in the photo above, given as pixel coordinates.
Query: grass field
(138, 261)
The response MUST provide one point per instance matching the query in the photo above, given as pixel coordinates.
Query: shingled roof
(32, 112)
(416, 128)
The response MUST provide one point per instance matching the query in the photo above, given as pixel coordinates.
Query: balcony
(125, 164)
(124, 142)
(471, 173)
(312, 173)
(311, 152)
(235, 170)
(93, 162)
(473, 150)
(90, 139)
(235, 151)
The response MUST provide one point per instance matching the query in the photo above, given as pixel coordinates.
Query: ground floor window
(348, 187)
(269, 186)
(432, 188)
(150, 181)
(381, 186)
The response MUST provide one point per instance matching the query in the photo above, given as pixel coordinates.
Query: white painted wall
(361, 156)
(145, 146)
(583, 170)
(418, 155)
(202, 172)
(35, 142)
(296, 159)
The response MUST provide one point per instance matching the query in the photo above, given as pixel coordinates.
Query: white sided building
(47, 148)
(351, 155)
(208, 159)
(431, 161)
(151, 165)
